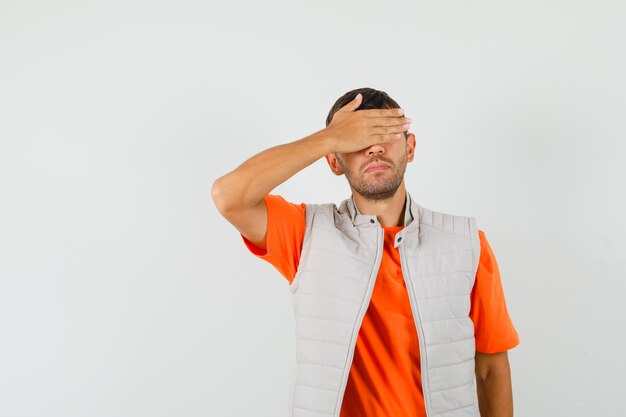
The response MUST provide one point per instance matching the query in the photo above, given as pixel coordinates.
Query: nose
(376, 148)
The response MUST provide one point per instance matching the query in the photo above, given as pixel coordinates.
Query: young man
(399, 309)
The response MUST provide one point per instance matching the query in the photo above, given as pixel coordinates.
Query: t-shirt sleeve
(494, 330)
(286, 223)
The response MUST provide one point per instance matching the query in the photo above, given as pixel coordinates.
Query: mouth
(378, 166)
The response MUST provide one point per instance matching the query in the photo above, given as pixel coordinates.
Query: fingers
(389, 132)
(388, 121)
(352, 105)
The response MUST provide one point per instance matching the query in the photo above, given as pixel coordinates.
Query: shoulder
(330, 208)
(278, 206)
(447, 222)
(279, 200)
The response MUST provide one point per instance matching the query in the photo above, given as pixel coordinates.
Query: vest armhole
(311, 210)
(473, 230)
(475, 240)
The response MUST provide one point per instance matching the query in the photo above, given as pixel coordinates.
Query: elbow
(232, 193)
(219, 195)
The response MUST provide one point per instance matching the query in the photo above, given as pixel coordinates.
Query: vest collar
(411, 218)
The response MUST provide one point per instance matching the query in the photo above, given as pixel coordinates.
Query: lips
(377, 166)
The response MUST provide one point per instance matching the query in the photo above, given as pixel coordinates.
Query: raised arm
(239, 195)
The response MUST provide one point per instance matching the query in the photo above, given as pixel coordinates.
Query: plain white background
(123, 292)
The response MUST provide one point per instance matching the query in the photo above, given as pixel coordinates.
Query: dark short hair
(372, 99)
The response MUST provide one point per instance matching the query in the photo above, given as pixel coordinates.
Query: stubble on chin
(375, 189)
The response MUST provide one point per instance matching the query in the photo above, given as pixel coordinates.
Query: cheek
(347, 162)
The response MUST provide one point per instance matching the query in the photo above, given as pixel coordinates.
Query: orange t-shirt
(385, 377)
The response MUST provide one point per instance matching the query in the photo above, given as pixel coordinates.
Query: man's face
(375, 183)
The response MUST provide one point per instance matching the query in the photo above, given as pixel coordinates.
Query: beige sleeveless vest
(340, 258)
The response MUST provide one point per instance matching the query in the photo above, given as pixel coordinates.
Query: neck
(389, 212)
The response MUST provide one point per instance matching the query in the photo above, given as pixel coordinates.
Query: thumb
(353, 105)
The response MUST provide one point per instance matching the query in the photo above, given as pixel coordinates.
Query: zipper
(420, 330)
(368, 296)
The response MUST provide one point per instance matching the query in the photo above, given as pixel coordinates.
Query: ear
(410, 147)
(333, 164)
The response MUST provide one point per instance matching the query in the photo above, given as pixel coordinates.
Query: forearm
(495, 395)
(247, 184)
